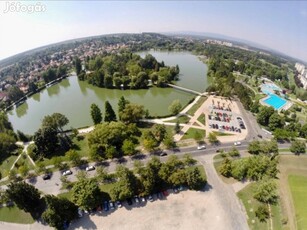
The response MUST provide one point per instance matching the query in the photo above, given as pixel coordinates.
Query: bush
(262, 213)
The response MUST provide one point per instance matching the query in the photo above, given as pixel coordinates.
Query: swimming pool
(275, 101)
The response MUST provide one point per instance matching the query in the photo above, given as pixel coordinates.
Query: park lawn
(222, 134)
(196, 106)
(298, 187)
(251, 205)
(182, 119)
(202, 119)
(79, 145)
(24, 160)
(6, 165)
(15, 215)
(191, 132)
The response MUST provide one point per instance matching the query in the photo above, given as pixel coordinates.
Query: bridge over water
(186, 89)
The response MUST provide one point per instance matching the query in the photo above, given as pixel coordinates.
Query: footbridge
(186, 89)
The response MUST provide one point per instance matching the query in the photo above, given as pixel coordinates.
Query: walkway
(185, 89)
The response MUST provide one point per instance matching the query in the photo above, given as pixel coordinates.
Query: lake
(73, 98)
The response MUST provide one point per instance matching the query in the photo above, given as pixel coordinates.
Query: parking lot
(184, 210)
(224, 116)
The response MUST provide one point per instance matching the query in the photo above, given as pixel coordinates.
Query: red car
(165, 193)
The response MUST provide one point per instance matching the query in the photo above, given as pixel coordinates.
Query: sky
(280, 25)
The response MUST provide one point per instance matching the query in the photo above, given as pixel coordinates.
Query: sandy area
(185, 210)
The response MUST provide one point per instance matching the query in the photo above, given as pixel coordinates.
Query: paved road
(53, 185)
(228, 199)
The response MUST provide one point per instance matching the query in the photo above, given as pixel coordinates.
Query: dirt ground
(185, 210)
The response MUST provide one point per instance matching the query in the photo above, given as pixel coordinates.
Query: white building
(301, 69)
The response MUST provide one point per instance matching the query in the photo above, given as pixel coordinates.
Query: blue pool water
(275, 101)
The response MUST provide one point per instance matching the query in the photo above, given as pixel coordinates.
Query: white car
(201, 147)
(67, 172)
(90, 168)
(237, 143)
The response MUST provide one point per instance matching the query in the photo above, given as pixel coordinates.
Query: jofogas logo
(22, 7)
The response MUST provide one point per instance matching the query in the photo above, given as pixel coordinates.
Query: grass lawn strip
(251, 205)
(15, 215)
(298, 187)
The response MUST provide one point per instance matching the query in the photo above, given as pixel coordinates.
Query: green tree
(175, 107)
(14, 93)
(46, 141)
(122, 105)
(128, 147)
(266, 191)
(86, 194)
(96, 114)
(276, 121)
(262, 213)
(188, 160)
(109, 113)
(298, 147)
(159, 131)
(168, 141)
(212, 138)
(239, 168)
(225, 168)
(56, 121)
(132, 113)
(74, 157)
(126, 185)
(25, 196)
(149, 141)
(177, 127)
(264, 115)
(194, 179)
(303, 131)
(254, 147)
(58, 211)
(78, 65)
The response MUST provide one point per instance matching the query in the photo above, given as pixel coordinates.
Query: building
(302, 74)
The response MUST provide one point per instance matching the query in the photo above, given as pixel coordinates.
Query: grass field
(298, 187)
(290, 165)
(182, 119)
(197, 105)
(251, 205)
(202, 119)
(6, 164)
(15, 215)
(191, 132)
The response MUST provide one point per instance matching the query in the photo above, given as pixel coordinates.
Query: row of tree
(147, 179)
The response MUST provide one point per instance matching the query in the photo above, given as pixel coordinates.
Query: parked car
(119, 203)
(150, 198)
(80, 212)
(105, 206)
(137, 200)
(67, 172)
(163, 154)
(111, 204)
(46, 177)
(129, 201)
(200, 147)
(260, 136)
(165, 192)
(143, 199)
(237, 143)
(175, 190)
(90, 168)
